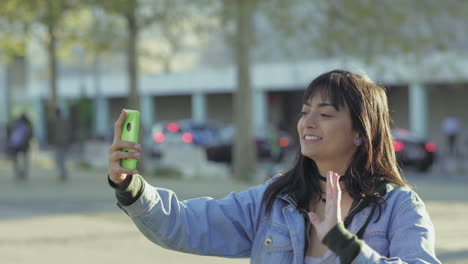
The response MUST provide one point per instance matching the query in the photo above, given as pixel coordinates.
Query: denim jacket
(237, 226)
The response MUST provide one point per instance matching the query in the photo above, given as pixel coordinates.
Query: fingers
(118, 125)
(333, 188)
(337, 200)
(118, 174)
(119, 144)
(118, 155)
(337, 190)
(330, 186)
(119, 171)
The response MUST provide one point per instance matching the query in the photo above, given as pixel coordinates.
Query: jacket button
(268, 242)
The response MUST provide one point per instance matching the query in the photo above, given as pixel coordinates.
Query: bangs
(330, 87)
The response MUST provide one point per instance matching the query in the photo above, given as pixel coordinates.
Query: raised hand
(117, 174)
(332, 207)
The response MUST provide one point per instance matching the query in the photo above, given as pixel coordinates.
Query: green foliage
(359, 28)
(13, 41)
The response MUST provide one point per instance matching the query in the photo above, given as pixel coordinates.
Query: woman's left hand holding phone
(117, 174)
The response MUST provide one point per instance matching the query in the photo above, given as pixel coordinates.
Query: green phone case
(130, 130)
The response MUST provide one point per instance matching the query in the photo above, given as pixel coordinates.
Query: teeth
(311, 137)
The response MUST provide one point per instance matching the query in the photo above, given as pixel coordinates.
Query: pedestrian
(343, 201)
(451, 128)
(18, 144)
(62, 142)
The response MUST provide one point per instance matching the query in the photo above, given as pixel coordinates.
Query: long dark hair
(373, 161)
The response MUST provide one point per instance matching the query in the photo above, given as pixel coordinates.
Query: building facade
(420, 95)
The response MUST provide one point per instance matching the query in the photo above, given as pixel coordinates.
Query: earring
(358, 141)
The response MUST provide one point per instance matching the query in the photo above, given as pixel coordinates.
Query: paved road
(44, 221)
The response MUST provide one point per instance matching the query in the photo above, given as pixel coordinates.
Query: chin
(309, 154)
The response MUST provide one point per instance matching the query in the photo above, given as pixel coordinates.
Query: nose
(309, 120)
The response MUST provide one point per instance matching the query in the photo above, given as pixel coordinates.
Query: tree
(306, 30)
(139, 15)
(50, 15)
(365, 29)
(44, 22)
(12, 47)
(245, 157)
(166, 16)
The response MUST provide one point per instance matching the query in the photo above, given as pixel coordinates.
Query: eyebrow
(321, 104)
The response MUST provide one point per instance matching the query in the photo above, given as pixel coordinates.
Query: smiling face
(326, 134)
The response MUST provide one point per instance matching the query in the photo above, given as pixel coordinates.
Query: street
(45, 221)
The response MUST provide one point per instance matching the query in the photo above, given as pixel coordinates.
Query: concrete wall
(447, 100)
(169, 108)
(398, 105)
(115, 107)
(443, 100)
(220, 108)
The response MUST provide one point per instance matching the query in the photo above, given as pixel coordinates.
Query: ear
(358, 141)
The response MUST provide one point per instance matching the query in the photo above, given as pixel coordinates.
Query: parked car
(412, 151)
(271, 145)
(181, 132)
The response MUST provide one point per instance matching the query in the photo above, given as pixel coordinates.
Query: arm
(410, 235)
(206, 226)
(203, 226)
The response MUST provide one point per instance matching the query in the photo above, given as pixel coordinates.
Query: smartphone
(130, 130)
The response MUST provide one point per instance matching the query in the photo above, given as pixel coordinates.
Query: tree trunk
(52, 60)
(132, 59)
(8, 97)
(132, 69)
(244, 143)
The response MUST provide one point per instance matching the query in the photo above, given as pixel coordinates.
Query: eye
(303, 113)
(325, 115)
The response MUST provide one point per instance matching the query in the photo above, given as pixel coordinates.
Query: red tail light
(173, 127)
(283, 142)
(187, 137)
(398, 145)
(159, 137)
(430, 147)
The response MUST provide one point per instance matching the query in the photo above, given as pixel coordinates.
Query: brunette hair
(373, 161)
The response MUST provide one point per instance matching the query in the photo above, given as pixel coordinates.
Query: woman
(362, 212)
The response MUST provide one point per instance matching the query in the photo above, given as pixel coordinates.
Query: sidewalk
(43, 221)
(88, 190)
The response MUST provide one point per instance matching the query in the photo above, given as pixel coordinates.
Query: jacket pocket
(273, 244)
(277, 239)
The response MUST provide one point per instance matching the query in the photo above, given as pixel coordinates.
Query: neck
(336, 167)
(324, 168)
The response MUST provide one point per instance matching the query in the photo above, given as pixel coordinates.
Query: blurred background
(219, 87)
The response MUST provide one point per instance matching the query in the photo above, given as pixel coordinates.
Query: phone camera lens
(129, 126)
